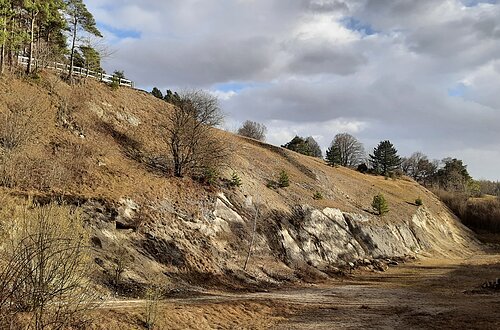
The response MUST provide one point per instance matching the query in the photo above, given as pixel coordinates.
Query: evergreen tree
(454, 175)
(33, 26)
(172, 98)
(379, 204)
(308, 146)
(314, 148)
(79, 18)
(5, 11)
(385, 159)
(333, 156)
(89, 57)
(33, 8)
(157, 93)
(51, 42)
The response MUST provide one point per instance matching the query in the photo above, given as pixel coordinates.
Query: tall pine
(79, 18)
(385, 159)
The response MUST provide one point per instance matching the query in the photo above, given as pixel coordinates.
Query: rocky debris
(128, 118)
(492, 285)
(379, 264)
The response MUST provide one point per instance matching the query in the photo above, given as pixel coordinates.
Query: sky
(423, 74)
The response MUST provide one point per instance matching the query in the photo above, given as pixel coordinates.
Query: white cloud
(310, 73)
(224, 95)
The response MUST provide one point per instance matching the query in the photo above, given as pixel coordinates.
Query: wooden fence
(77, 71)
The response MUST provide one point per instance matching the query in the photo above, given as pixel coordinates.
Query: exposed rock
(126, 214)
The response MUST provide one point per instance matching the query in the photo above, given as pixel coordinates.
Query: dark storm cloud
(326, 5)
(175, 63)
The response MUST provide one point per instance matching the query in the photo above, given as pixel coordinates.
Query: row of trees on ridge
(346, 150)
(40, 29)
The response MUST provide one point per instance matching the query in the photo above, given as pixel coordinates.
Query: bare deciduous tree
(46, 263)
(418, 167)
(345, 150)
(194, 144)
(253, 130)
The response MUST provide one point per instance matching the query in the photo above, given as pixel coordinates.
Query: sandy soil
(427, 294)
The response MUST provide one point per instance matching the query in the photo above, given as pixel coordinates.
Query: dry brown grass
(227, 315)
(123, 154)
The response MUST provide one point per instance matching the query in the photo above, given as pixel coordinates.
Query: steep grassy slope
(105, 152)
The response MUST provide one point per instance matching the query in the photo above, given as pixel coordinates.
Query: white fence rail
(77, 71)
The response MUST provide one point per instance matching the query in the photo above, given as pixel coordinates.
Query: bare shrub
(483, 214)
(19, 123)
(253, 130)
(47, 54)
(476, 213)
(456, 201)
(33, 169)
(46, 263)
(153, 295)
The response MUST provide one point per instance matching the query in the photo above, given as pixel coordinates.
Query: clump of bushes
(317, 195)
(379, 204)
(210, 176)
(283, 181)
(475, 213)
(114, 84)
(419, 202)
(235, 180)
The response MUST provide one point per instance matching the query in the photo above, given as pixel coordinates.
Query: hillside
(104, 151)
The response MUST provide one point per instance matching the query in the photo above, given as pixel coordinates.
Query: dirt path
(430, 294)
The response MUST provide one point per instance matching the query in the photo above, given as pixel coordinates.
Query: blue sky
(118, 33)
(424, 74)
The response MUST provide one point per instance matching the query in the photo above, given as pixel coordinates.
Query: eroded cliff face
(326, 237)
(211, 245)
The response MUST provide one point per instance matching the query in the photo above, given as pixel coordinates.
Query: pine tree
(157, 93)
(79, 18)
(333, 156)
(307, 146)
(5, 11)
(91, 59)
(314, 148)
(283, 179)
(385, 159)
(172, 98)
(379, 204)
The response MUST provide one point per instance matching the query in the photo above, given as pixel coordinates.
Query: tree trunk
(253, 238)
(73, 43)
(32, 38)
(2, 60)
(2, 54)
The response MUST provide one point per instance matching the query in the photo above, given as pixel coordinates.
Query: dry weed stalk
(153, 296)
